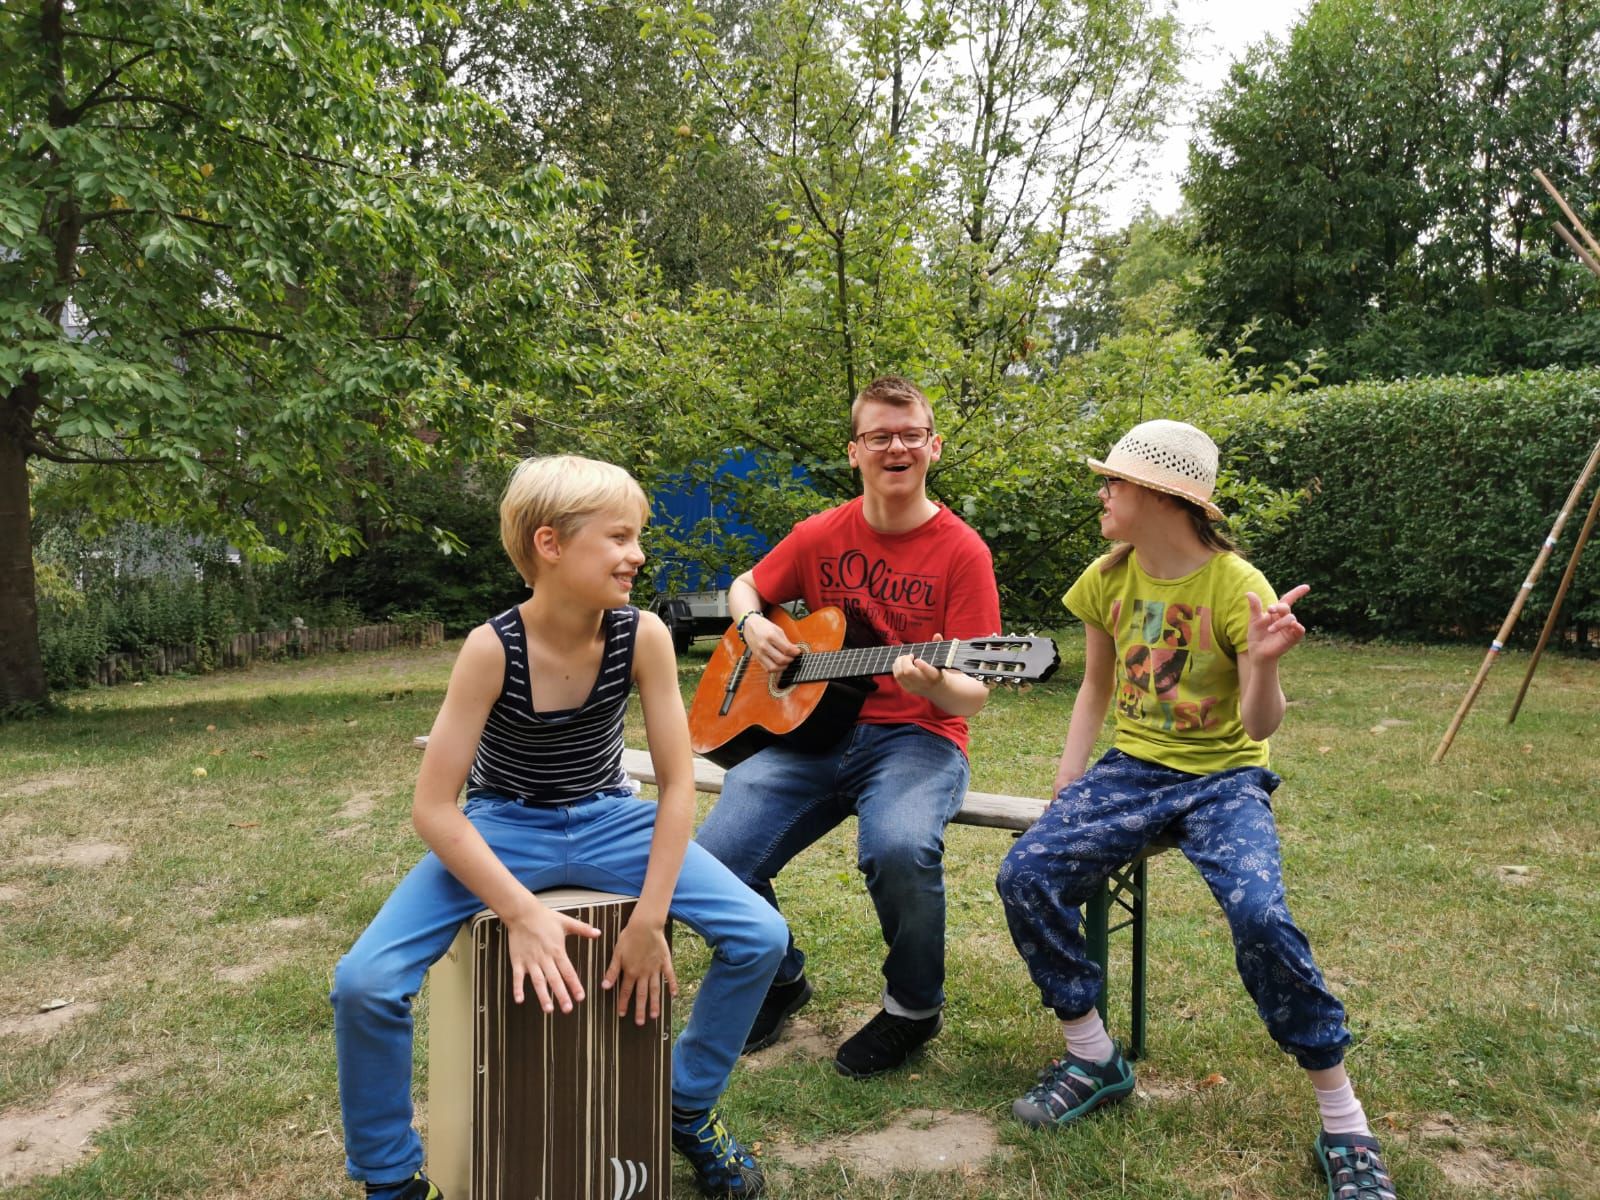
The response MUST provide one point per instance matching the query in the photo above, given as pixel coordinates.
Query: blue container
(696, 604)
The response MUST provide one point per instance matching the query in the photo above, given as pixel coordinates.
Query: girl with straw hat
(1183, 637)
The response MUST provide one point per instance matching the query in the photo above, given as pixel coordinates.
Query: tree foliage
(1366, 187)
(1426, 501)
(935, 165)
(1142, 276)
(236, 289)
(583, 90)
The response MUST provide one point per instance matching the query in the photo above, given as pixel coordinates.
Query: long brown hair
(1212, 536)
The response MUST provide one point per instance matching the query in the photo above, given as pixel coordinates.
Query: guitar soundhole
(776, 688)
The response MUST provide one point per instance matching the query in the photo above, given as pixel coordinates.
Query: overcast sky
(1223, 30)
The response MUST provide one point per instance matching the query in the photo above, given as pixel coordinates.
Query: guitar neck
(857, 662)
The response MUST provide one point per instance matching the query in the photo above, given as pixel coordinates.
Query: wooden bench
(1125, 891)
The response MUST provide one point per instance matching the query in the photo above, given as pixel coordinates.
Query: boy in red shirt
(904, 569)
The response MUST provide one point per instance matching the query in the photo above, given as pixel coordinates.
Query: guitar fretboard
(855, 662)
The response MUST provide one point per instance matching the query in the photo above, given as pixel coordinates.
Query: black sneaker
(1070, 1087)
(722, 1167)
(418, 1187)
(782, 1002)
(885, 1042)
(1353, 1166)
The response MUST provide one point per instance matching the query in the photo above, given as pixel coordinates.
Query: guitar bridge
(735, 676)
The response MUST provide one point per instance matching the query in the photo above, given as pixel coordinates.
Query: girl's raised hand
(1275, 630)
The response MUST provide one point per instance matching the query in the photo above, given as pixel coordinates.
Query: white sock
(1087, 1038)
(1341, 1111)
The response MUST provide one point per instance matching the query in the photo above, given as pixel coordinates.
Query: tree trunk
(21, 664)
(21, 667)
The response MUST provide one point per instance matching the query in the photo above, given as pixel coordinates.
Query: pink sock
(1087, 1038)
(1341, 1111)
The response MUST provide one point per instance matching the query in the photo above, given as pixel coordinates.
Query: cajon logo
(630, 1178)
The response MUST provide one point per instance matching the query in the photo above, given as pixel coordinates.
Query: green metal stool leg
(1097, 940)
(1138, 920)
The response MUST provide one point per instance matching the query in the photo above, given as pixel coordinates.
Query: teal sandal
(1354, 1167)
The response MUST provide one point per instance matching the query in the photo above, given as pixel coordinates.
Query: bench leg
(1124, 888)
(1137, 908)
(1097, 938)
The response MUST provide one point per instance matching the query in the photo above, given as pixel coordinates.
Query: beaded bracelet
(739, 628)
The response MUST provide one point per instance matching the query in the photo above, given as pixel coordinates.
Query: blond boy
(532, 726)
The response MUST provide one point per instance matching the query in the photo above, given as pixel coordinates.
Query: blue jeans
(601, 842)
(903, 785)
(1223, 824)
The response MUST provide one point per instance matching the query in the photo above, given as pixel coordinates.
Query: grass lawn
(185, 860)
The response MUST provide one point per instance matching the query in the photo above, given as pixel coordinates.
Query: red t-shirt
(894, 588)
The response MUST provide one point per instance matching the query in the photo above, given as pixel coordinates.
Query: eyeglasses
(1105, 483)
(879, 440)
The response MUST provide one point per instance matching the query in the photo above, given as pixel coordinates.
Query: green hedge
(1428, 500)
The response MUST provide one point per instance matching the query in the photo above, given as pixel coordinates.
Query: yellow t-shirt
(1176, 695)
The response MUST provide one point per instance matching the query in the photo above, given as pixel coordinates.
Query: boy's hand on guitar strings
(768, 643)
(916, 676)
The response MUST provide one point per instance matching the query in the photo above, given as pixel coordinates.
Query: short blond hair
(894, 390)
(560, 490)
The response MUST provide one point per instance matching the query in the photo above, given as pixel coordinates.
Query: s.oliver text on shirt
(853, 571)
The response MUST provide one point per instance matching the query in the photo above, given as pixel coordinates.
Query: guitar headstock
(1008, 658)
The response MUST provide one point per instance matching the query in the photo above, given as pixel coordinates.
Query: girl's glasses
(879, 440)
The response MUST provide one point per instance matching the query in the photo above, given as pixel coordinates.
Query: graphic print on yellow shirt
(1176, 689)
(1165, 637)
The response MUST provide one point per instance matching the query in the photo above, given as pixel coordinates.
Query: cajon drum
(528, 1106)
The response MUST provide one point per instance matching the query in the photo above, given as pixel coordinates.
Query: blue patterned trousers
(1223, 824)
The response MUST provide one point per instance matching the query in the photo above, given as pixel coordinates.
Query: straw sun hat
(1168, 456)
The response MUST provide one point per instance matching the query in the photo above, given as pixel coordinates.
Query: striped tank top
(555, 757)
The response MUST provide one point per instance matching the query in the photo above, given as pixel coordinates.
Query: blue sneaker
(1070, 1087)
(418, 1187)
(722, 1167)
(1353, 1166)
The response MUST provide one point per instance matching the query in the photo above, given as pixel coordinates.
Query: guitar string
(817, 666)
(822, 665)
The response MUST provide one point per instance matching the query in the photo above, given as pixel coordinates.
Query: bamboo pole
(1509, 623)
(1555, 607)
(1593, 263)
(1594, 246)
(1588, 259)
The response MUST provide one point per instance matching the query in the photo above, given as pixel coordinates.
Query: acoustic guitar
(741, 707)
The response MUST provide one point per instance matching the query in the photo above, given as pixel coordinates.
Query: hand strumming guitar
(768, 644)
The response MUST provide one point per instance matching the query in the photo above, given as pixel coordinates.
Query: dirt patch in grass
(40, 1025)
(50, 1138)
(921, 1140)
(39, 785)
(79, 854)
(358, 806)
(9, 893)
(1462, 1153)
(270, 955)
(353, 814)
(1162, 1089)
(251, 971)
(801, 1040)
